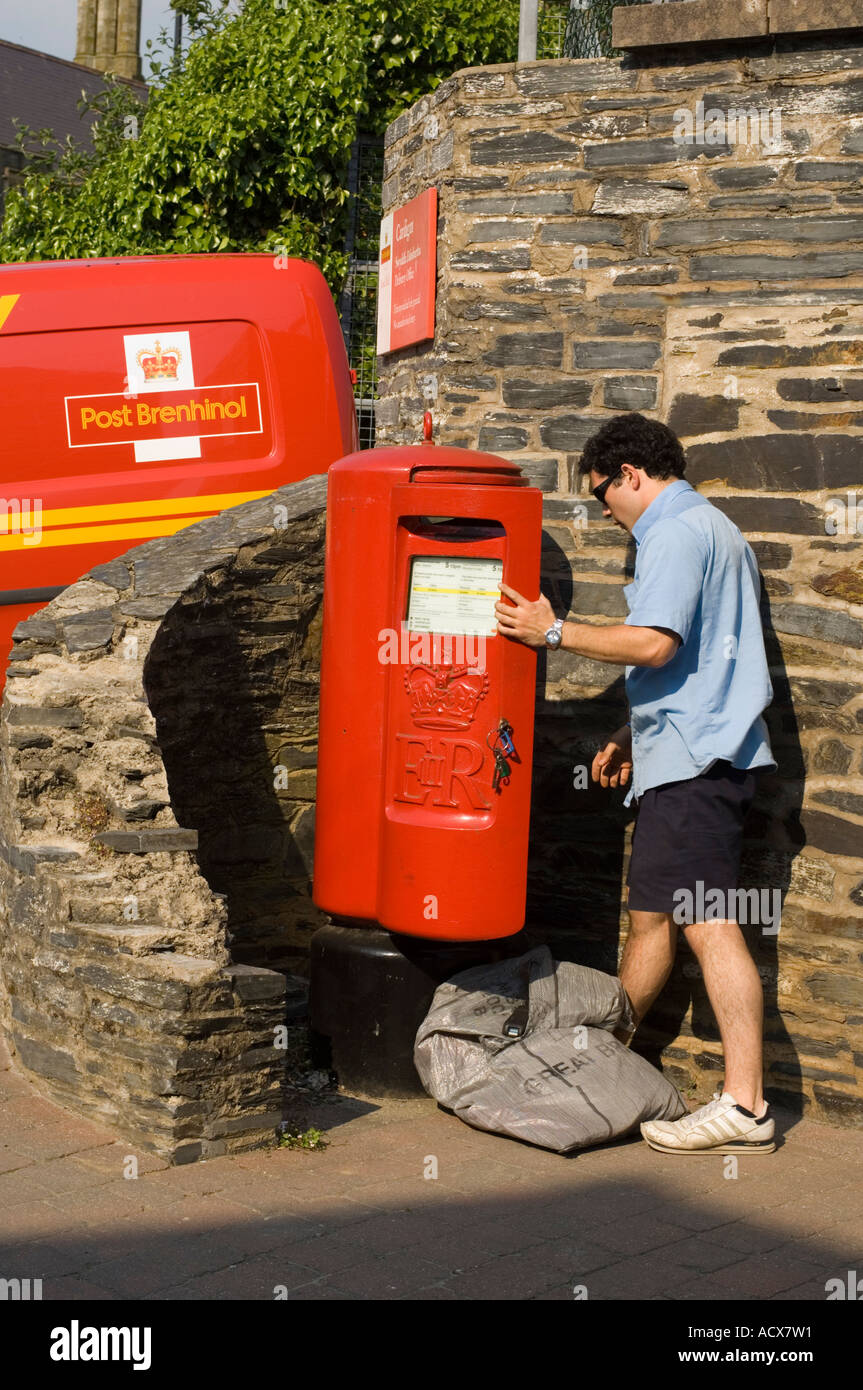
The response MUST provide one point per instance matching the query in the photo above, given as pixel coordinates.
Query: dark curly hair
(632, 438)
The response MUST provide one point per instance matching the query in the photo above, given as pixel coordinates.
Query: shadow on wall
(578, 852)
(232, 680)
(578, 830)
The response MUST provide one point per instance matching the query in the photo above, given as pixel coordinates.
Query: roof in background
(42, 90)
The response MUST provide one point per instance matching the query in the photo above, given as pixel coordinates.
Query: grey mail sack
(524, 1047)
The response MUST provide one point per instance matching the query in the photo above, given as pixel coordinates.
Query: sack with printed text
(524, 1047)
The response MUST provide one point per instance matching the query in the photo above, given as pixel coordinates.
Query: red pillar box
(415, 831)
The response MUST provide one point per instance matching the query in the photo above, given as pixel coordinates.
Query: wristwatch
(554, 636)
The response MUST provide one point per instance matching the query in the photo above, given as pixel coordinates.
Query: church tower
(109, 36)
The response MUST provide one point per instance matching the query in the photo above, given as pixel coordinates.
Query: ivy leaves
(246, 147)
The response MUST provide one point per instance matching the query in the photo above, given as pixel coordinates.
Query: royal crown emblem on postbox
(157, 363)
(445, 697)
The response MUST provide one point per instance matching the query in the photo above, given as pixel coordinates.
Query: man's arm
(619, 643)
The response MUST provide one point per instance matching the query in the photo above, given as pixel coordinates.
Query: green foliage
(305, 1139)
(192, 9)
(412, 45)
(246, 146)
(244, 149)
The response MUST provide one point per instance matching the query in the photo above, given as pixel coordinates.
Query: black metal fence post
(358, 303)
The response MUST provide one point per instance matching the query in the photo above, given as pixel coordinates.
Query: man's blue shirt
(696, 575)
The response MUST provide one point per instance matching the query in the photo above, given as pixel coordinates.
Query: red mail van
(142, 394)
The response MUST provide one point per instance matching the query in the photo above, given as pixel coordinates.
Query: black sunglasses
(602, 488)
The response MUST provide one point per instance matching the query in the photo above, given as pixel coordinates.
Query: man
(697, 682)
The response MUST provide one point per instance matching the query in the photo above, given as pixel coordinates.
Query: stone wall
(590, 263)
(158, 738)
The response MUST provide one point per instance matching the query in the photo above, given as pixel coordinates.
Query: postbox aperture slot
(456, 530)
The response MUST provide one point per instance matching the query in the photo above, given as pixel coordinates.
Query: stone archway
(158, 735)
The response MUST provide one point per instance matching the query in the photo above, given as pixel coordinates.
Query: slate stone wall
(590, 263)
(157, 737)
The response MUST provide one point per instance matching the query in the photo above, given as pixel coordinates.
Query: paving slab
(372, 1217)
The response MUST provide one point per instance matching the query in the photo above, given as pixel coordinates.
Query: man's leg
(647, 958)
(734, 990)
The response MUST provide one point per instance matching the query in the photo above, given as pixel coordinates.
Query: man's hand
(528, 622)
(612, 766)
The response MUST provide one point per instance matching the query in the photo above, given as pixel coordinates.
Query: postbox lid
(434, 463)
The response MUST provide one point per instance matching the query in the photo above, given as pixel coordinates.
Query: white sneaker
(721, 1127)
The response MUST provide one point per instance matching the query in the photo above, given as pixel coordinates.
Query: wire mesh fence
(552, 16)
(588, 28)
(358, 304)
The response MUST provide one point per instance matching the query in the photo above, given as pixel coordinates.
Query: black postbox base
(370, 991)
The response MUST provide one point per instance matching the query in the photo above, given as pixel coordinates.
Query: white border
(127, 396)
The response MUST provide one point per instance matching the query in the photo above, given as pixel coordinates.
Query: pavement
(367, 1219)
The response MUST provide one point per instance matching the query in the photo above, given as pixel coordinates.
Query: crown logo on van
(445, 697)
(155, 363)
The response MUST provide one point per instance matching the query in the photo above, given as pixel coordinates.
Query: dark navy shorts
(687, 841)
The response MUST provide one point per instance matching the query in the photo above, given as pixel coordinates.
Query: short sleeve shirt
(696, 575)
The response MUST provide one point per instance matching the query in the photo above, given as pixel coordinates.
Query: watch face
(553, 636)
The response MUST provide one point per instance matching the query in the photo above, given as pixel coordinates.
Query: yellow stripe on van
(7, 304)
(161, 506)
(91, 535)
